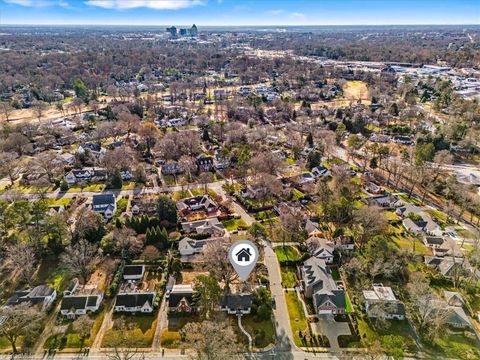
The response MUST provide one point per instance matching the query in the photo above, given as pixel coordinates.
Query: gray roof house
(104, 204)
(321, 248)
(318, 284)
(188, 246)
(42, 295)
(135, 302)
(211, 226)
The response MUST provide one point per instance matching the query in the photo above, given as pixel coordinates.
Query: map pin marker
(243, 256)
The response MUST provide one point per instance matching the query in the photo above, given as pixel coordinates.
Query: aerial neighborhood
(125, 180)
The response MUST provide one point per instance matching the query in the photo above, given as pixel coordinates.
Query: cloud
(275, 12)
(152, 4)
(38, 3)
(298, 15)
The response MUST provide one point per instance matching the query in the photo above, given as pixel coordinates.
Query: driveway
(327, 326)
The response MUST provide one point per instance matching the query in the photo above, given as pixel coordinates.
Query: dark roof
(236, 301)
(174, 298)
(17, 295)
(74, 302)
(133, 270)
(337, 297)
(134, 300)
(434, 240)
(103, 199)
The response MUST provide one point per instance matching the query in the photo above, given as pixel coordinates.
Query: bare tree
(9, 166)
(83, 327)
(126, 242)
(215, 260)
(22, 258)
(369, 222)
(80, 259)
(39, 109)
(6, 110)
(212, 340)
(17, 321)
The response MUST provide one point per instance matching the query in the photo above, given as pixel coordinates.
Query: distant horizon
(236, 26)
(240, 12)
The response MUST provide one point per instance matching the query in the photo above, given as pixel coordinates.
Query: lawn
(169, 180)
(262, 332)
(287, 253)
(297, 194)
(58, 202)
(234, 224)
(298, 321)
(70, 339)
(348, 304)
(51, 273)
(181, 194)
(289, 276)
(170, 337)
(141, 329)
(458, 346)
(87, 187)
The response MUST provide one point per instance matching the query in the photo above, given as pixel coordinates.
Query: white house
(135, 302)
(104, 204)
(76, 305)
(42, 295)
(382, 300)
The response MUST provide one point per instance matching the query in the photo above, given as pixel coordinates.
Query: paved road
(282, 321)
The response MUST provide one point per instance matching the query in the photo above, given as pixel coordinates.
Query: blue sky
(240, 12)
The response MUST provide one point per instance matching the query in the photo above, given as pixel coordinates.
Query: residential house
(253, 191)
(141, 302)
(433, 242)
(448, 266)
(319, 285)
(311, 226)
(133, 272)
(385, 201)
(453, 298)
(197, 203)
(321, 171)
(321, 248)
(104, 204)
(188, 246)
(85, 175)
(172, 168)
(180, 299)
(373, 188)
(93, 148)
(210, 226)
(41, 295)
(204, 163)
(382, 300)
(236, 304)
(144, 205)
(76, 305)
(422, 221)
(67, 158)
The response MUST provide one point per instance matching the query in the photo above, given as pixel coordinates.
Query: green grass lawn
(287, 253)
(289, 276)
(196, 192)
(297, 194)
(182, 194)
(70, 339)
(87, 187)
(262, 332)
(58, 202)
(298, 321)
(348, 304)
(170, 337)
(335, 274)
(458, 346)
(169, 180)
(141, 329)
(234, 224)
(4, 344)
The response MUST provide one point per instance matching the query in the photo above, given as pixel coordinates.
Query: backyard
(138, 330)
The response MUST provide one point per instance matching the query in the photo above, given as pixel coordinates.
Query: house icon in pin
(243, 255)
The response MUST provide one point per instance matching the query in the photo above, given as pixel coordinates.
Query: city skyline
(238, 13)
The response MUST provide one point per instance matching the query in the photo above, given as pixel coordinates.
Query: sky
(239, 12)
